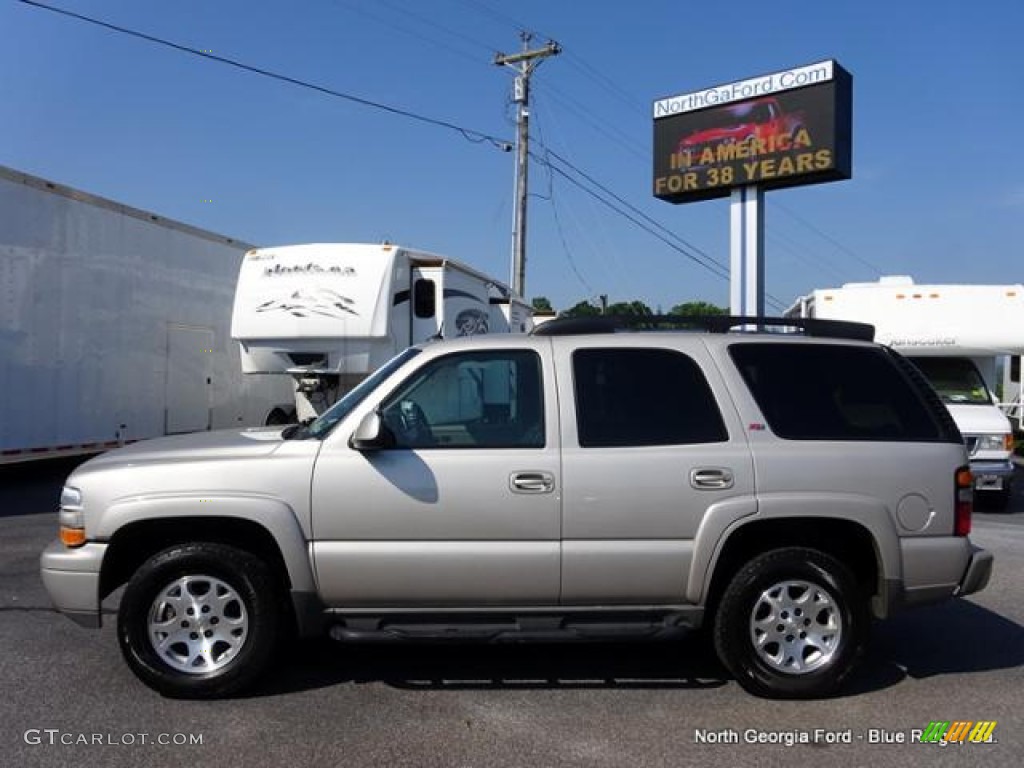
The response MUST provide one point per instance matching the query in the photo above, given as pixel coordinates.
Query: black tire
(278, 417)
(795, 653)
(218, 611)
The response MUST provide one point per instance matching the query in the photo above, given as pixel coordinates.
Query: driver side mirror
(371, 434)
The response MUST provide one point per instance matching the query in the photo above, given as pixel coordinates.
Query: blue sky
(937, 189)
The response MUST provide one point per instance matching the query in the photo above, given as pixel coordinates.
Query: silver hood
(198, 446)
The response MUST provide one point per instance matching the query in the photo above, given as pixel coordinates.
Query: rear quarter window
(837, 392)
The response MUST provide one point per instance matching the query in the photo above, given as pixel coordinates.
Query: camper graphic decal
(321, 301)
(471, 322)
(308, 269)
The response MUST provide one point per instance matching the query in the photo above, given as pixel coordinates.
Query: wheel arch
(136, 542)
(849, 542)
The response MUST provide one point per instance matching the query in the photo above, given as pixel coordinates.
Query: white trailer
(329, 314)
(959, 336)
(113, 325)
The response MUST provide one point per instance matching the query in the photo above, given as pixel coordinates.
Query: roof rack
(836, 329)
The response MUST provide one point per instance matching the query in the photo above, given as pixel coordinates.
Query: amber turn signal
(72, 537)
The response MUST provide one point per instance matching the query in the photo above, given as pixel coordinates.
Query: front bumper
(992, 475)
(72, 579)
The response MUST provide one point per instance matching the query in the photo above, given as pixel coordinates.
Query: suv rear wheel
(791, 624)
(199, 620)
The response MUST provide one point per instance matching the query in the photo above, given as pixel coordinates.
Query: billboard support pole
(746, 274)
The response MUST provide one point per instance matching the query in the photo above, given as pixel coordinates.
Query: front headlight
(70, 497)
(995, 442)
(72, 517)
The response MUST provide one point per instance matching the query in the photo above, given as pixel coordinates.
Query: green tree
(582, 309)
(629, 309)
(696, 308)
(541, 304)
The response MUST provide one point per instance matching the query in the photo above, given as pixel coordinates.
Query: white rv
(956, 335)
(329, 314)
(113, 326)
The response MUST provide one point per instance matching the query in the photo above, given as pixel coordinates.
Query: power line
(441, 27)
(565, 244)
(501, 18)
(791, 246)
(605, 82)
(824, 236)
(356, 7)
(629, 212)
(608, 131)
(596, 242)
(558, 219)
(643, 221)
(687, 249)
(694, 253)
(467, 133)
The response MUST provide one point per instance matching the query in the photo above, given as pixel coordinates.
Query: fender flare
(272, 514)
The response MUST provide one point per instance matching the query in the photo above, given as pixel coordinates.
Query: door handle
(532, 482)
(711, 478)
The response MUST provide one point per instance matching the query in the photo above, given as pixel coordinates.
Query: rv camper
(328, 315)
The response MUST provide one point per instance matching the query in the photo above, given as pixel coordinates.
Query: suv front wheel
(791, 624)
(199, 620)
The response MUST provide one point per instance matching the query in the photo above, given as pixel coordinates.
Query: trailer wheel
(278, 418)
(200, 620)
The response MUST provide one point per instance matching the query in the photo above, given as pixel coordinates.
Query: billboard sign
(779, 130)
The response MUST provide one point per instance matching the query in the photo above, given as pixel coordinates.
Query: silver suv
(780, 488)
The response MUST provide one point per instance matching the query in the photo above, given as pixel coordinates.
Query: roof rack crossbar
(836, 329)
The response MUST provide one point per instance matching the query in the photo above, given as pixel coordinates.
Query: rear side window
(636, 397)
(833, 392)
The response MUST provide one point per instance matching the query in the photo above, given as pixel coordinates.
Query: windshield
(956, 379)
(326, 421)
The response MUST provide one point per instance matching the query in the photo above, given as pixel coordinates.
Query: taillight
(964, 502)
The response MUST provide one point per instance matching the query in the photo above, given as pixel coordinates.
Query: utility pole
(523, 64)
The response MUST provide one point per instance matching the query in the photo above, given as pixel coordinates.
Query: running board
(499, 628)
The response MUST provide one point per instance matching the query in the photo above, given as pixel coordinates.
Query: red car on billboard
(762, 120)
